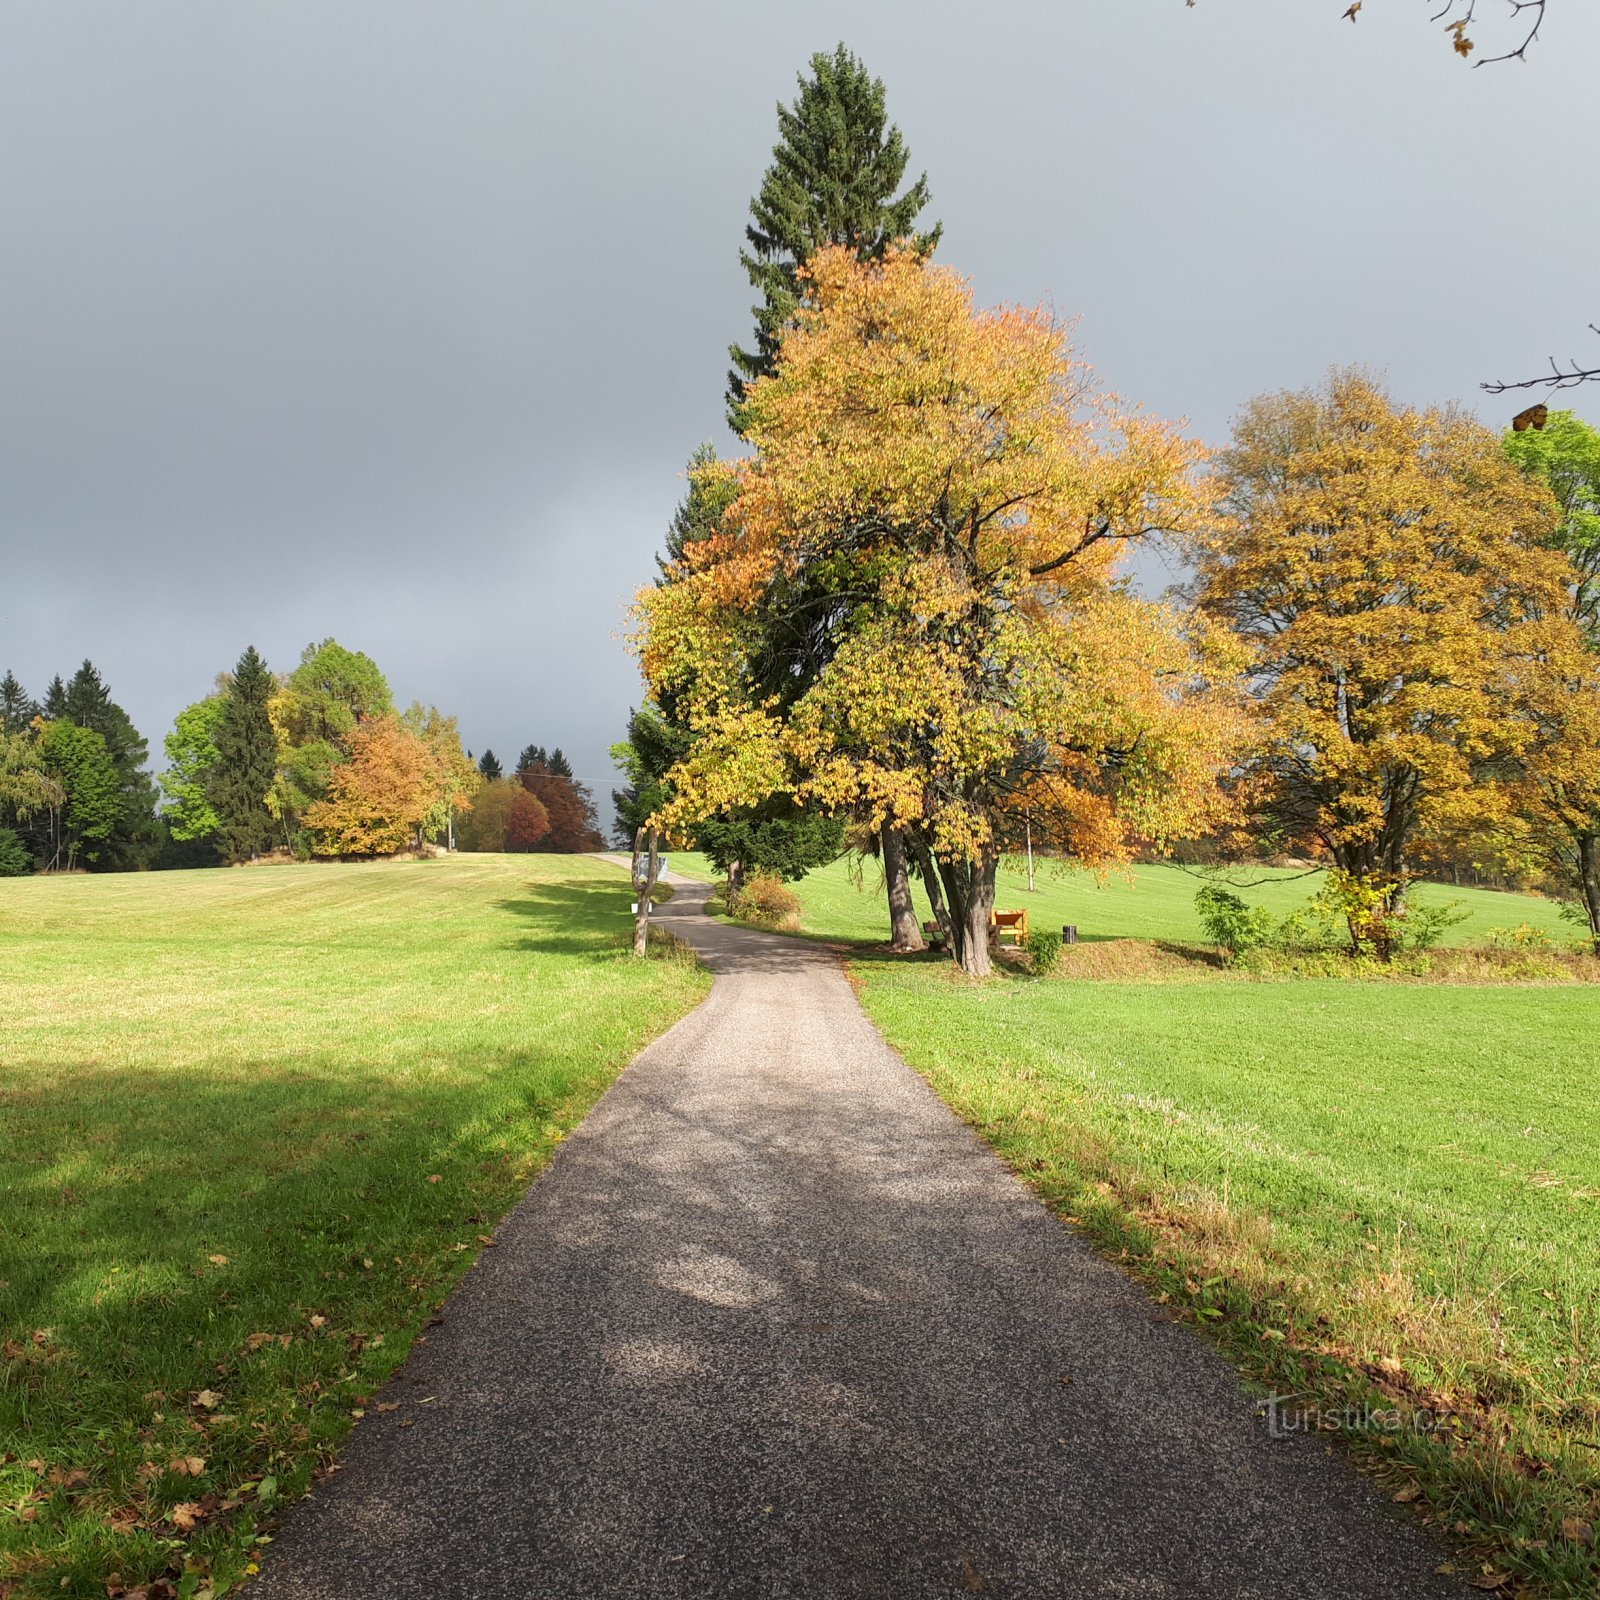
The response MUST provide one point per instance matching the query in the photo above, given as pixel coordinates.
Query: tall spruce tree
(558, 764)
(489, 766)
(86, 702)
(834, 172)
(533, 759)
(247, 760)
(16, 709)
(54, 705)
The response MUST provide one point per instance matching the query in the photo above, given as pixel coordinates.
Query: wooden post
(646, 865)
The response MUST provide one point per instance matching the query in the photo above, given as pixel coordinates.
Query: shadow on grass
(573, 916)
(160, 1223)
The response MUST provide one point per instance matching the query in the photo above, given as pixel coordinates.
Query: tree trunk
(930, 881)
(735, 883)
(905, 932)
(970, 886)
(1589, 882)
(646, 865)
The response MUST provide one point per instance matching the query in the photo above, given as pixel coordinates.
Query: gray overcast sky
(396, 321)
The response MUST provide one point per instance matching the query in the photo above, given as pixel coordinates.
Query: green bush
(1044, 949)
(1230, 923)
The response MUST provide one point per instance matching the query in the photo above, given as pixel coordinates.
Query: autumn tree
(914, 614)
(315, 714)
(568, 805)
(1391, 573)
(379, 797)
(527, 823)
(834, 172)
(453, 779)
(240, 780)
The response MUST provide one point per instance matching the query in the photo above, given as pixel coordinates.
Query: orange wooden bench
(1013, 922)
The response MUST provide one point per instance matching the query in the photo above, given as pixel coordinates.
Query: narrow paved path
(775, 1323)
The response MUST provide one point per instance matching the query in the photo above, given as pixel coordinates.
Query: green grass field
(253, 1125)
(1363, 1190)
(846, 903)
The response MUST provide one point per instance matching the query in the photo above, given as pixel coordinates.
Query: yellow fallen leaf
(185, 1514)
(217, 1261)
(1408, 1494)
(208, 1399)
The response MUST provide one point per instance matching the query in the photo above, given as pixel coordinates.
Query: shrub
(1230, 923)
(1044, 949)
(765, 902)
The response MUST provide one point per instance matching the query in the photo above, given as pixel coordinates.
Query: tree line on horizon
(903, 610)
(315, 762)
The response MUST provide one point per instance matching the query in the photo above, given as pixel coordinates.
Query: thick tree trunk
(1589, 882)
(970, 886)
(735, 883)
(905, 932)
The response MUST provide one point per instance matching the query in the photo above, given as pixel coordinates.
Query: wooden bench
(934, 934)
(1013, 922)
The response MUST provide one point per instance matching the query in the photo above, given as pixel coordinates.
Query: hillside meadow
(255, 1125)
(844, 901)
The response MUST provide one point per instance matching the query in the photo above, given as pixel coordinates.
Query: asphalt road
(774, 1323)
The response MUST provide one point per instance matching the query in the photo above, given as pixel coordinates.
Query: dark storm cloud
(396, 322)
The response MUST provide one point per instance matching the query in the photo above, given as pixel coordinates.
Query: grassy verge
(846, 902)
(253, 1126)
(1369, 1194)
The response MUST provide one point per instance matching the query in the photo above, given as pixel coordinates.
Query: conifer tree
(16, 709)
(558, 764)
(533, 759)
(54, 705)
(489, 766)
(834, 172)
(86, 702)
(247, 760)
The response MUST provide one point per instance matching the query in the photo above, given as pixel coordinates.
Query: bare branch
(1568, 377)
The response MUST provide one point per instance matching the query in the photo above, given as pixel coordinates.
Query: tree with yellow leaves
(913, 613)
(1392, 572)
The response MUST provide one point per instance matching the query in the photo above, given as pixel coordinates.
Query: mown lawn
(846, 902)
(253, 1126)
(1366, 1191)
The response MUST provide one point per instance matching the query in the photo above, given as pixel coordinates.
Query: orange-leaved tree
(913, 613)
(1392, 573)
(380, 797)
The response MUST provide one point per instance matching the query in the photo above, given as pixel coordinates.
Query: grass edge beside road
(1510, 1486)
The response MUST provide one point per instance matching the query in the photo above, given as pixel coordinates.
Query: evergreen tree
(489, 766)
(558, 764)
(54, 706)
(247, 760)
(533, 759)
(16, 709)
(699, 513)
(835, 168)
(86, 703)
